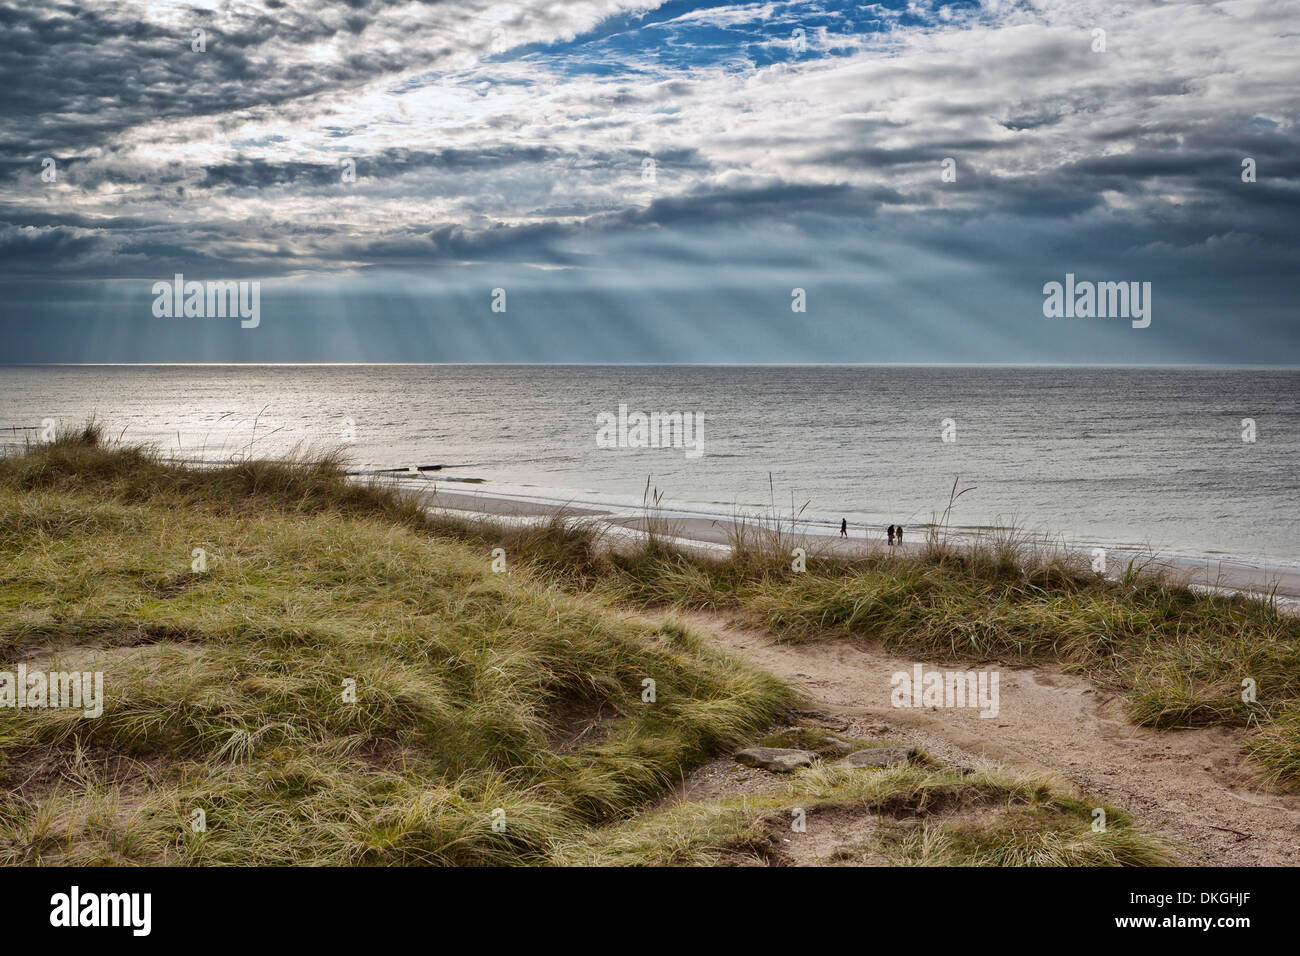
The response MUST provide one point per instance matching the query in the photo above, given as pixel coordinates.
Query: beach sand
(713, 535)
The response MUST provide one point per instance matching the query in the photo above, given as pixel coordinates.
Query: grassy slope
(224, 690)
(1178, 657)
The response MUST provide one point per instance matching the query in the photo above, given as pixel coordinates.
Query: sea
(1178, 461)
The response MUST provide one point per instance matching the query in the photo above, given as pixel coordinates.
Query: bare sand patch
(1192, 786)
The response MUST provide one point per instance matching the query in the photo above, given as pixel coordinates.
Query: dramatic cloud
(598, 158)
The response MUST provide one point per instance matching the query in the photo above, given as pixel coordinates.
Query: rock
(776, 759)
(819, 741)
(877, 757)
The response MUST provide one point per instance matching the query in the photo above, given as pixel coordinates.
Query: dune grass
(480, 698)
(1179, 657)
(346, 681)
(909, 815)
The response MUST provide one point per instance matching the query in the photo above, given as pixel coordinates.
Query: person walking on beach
(844, 527)
(891, 535)
(898, 534)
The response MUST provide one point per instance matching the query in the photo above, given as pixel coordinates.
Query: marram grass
(1178, 657)
(347, 682)
(225, 690)
(906, 816)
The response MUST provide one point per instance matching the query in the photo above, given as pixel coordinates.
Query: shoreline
(695, 527)
(709, 534)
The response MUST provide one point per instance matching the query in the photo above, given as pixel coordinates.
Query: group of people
(895, 532)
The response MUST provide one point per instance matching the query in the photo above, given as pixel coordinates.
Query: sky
(618, 181)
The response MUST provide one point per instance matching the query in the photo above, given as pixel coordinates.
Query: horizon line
(1116, 365)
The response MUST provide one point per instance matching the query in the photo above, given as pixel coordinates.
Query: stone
(776, 759)
(877, 757)
(819, 741)
(839, 747)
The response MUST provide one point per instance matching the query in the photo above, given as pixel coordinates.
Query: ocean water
(1128, 457)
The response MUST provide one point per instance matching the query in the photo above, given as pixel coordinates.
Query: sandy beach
(713, 534)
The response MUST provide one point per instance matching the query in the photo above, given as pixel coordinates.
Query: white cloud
(1014, 93)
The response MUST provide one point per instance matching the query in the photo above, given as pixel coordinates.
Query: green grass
(913, 815)
(1178, 657)
(480, 697)
(225, 689)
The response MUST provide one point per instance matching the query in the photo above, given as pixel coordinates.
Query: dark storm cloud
(258, 173)
(79, 74)
(691, 143)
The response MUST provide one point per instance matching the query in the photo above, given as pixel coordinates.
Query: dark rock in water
(776, 759)
(877, 757)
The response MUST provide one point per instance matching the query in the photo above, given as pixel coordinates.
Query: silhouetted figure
(891, 535)
(844, 527)
(898, 534)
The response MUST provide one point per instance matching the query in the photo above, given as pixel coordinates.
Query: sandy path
(1192, 786)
